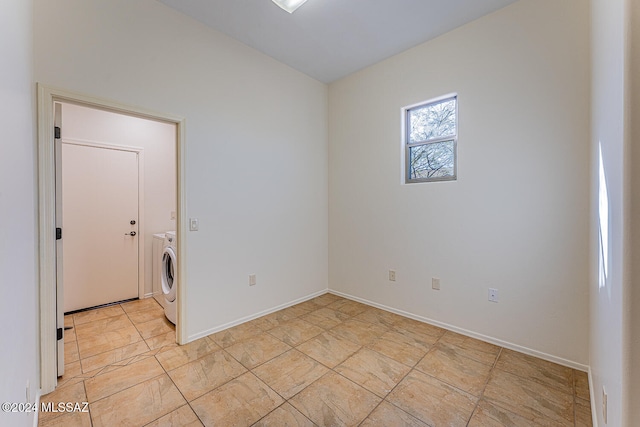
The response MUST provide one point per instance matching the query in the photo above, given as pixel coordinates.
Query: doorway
(84, 149)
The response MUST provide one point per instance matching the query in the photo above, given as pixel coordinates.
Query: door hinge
(58, 233)
(56, 132)
(59, 334)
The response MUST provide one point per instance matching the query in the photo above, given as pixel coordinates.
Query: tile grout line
(84, 379)
(403, 378)
(179, 391)
(135, 325)
(126, 388)
(393, 327)
(527, 379)
(134, 385)
(99, 370)
(431, 347)
(533, 380)
(88, 403)
(104, 318)
(218, 386)
(486, 383)
(220, 348)
(517, 374)
(285, 400)
(141, 340)
(317, 379)
(98, 319)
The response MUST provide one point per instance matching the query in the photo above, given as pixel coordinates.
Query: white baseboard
(472, 334)
(253, 316)
(481, 337)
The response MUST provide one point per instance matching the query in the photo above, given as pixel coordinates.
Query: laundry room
(116, 185)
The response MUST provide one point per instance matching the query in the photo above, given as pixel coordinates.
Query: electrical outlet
(252, 279)
(435, 283)
(493, 295)
(392, 275)
(604, 405)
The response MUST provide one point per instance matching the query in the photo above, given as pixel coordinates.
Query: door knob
(133, 233)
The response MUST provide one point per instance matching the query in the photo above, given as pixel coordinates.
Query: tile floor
(325, 362)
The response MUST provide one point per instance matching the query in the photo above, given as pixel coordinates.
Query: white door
(100, 225)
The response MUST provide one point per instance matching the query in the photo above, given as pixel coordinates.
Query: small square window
(431, 138)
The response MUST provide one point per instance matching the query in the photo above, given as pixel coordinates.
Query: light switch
(193, 224)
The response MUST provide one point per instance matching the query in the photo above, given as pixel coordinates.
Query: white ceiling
(329, 39)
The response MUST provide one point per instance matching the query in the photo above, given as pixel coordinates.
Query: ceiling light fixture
(289, 5)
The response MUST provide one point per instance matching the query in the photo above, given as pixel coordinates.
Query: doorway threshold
(101, 306)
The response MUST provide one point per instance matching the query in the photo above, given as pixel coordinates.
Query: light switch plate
(193, 224)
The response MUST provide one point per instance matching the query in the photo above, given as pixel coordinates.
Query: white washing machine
(169, 275)
(156, 273)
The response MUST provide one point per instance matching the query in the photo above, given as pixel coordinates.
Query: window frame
(406, 145)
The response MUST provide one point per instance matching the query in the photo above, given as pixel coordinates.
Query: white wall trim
(594, 414)
(46, 216)
(46, 240)
(481, 337)
(35, 416)
(255, 316)
(141, 223)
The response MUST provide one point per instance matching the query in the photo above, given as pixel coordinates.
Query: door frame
(140, 152)
(46, 96)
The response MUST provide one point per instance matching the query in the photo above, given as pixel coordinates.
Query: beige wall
(18, 240)
(516, 219)
(256, 144)
(159, 143)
